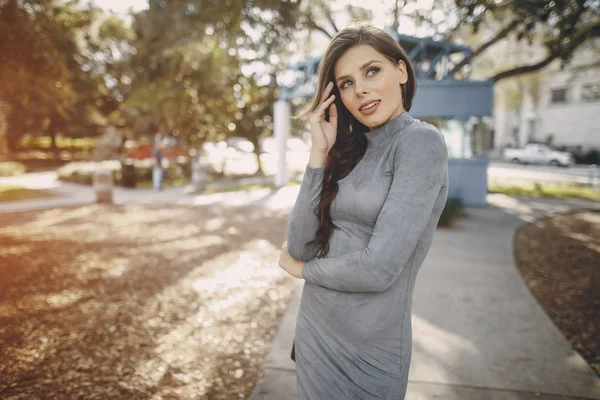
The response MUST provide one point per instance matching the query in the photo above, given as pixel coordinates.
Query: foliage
(52, 76)
(589, 157)
(44, 142)
(559, 27)
(451, 212)
(83, 172)
(198, 79)
(10, 168)
(203, 70)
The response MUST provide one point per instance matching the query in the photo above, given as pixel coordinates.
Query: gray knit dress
(353, 336)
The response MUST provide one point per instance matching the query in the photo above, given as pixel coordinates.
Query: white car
(538, 154)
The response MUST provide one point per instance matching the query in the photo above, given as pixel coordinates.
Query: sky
(121, 6)
(379, 12)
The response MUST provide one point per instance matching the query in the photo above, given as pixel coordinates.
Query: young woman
(369, 203)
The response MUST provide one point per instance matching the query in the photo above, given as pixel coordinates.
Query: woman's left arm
(420, 171)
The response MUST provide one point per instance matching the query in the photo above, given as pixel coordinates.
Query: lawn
(166, 183)
(14, 193)
(546, 190)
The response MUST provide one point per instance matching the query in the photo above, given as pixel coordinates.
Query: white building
(561, 108)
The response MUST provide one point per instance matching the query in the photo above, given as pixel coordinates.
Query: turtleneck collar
(396, 125)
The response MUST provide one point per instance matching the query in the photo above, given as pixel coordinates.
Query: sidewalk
(70, 195)
(478, 333)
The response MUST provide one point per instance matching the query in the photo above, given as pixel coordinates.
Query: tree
(205, 80)
(558, 26)
(50, 84)
(34, 72)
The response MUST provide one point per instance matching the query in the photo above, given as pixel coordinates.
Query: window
(559, 95)
(590, 92)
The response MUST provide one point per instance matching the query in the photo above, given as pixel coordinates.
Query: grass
(165, 183)
(15, 193)
(547, 191)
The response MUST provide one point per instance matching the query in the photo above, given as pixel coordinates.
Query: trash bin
(102, 181)
(128, 178)
(198, 176)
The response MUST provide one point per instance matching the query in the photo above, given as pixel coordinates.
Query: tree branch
(577, 40)
(330, 19)
(499, 36)
(312, 24)
(525, 68)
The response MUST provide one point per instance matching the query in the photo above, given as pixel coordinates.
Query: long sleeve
(303, 222)
(420, 161)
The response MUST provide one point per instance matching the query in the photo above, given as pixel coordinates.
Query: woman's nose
(360, 89)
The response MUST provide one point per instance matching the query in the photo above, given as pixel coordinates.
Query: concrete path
(69, 194)
(478, 331)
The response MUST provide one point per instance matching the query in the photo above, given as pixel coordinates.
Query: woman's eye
(372, 71)
(345, 84)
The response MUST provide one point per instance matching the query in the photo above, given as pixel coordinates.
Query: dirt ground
(559, 258)
(138, 302)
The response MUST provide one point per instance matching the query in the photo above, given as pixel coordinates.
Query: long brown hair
(351, 142)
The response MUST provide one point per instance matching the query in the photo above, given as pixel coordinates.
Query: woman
(369, 203)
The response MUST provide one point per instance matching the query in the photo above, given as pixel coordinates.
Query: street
(501, 170)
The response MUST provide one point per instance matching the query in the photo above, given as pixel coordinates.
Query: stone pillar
(103, 186)
(198, 176)
(281, 121)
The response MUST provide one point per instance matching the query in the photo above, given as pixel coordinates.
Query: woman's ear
(402, 72)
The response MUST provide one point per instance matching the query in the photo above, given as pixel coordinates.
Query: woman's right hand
(323, 133)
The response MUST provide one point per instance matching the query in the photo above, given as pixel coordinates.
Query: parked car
(534, 153)
(144, 151)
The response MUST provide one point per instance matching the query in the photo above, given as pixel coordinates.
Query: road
(499, 170)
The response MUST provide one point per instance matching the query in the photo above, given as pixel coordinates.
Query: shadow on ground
(138, 302)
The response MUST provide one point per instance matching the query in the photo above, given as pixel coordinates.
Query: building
(560, 107)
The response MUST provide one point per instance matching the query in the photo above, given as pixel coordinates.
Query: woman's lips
(371, 109)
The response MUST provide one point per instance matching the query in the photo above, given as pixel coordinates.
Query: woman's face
(369, 85)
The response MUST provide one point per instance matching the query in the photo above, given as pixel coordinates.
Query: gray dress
(353, 336)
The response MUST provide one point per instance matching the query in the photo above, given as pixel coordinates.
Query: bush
(45, 142)
(83, 172)
(452, 211)
(590, 157)
(10, 168)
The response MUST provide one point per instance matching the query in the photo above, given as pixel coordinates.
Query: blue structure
(444, 91)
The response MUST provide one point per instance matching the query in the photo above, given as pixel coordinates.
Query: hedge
(10, 168)
(82, 172)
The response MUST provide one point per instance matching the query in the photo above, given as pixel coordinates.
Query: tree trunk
(260, 171)
(53, 145)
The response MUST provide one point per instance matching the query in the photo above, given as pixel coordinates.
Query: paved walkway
(478, 332)
(69, 195)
